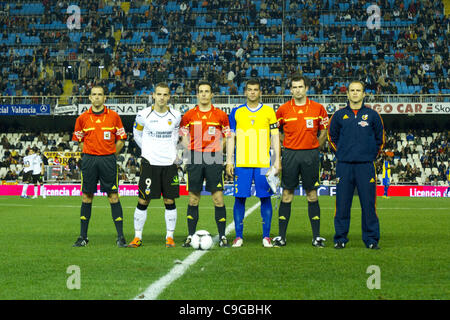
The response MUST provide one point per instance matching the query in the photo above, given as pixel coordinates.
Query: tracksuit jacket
(356, 138)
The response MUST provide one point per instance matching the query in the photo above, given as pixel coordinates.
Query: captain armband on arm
(137, 133)
(274, 128)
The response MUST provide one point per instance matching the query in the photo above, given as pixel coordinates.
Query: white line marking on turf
(156, 288)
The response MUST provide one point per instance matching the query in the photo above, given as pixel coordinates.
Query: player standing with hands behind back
(156, 133)
(300, 119)
(203, 129)
(100, 134)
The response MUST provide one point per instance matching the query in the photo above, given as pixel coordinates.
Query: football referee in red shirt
(100, 134)
(203, 130)
(300, 119)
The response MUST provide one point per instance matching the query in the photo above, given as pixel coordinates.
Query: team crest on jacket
(365, 116)
(169, 121)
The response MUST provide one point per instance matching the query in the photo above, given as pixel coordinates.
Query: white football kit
(37, 164)
(157, 135)
(28, 163)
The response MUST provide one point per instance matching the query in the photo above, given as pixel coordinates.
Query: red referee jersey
(99, 132)
(205, 129)
(300, 124)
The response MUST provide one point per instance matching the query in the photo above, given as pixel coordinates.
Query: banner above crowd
(412, 108)
(120, 108)
(382, 108)
(25, 109)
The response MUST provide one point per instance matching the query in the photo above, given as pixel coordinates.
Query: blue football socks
(239, 213)
(266, 215)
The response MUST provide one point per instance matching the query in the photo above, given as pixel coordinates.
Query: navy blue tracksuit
(356, 139)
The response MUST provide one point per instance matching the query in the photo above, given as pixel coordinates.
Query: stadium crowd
(417, 157)
(226, 42)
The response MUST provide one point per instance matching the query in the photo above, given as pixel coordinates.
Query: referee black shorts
(155, 181)
(99, 168)
(199, 171)
(300, 163)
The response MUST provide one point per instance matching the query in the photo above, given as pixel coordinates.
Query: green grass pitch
(37, 237)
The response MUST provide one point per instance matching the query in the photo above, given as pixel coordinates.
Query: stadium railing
(55, 101)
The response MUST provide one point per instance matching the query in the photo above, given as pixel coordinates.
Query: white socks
(139, 220)
(35, 188)
(171, 221)
(140, 216)
(24, 189)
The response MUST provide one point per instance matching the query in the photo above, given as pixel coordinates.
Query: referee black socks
(192, 218)
(117, 216)
(314, 218)
(85, 216)
(284, 214)
(220, 214)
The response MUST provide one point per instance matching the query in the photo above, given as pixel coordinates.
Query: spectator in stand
(11, 175)
(406, 42)
(410, 136)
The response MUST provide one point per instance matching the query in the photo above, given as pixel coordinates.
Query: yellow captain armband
(137, 126)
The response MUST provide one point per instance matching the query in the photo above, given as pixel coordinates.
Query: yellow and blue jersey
(386, 169)
(253, 130)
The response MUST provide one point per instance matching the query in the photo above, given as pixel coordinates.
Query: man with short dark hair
(300, 120)
(156, 133)
(254, 127)
(100, 134)
(356, 135)
(203, 129)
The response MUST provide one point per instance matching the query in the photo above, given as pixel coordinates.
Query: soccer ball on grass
(201, 240)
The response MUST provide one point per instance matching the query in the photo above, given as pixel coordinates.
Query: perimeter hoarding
(413, 108)
(132, 190)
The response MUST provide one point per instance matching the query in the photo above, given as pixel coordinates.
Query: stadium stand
(418, 157)
(132, 45)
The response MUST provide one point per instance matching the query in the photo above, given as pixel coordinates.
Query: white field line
(157, 287)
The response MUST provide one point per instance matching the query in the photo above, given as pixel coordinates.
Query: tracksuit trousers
(361, 175)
